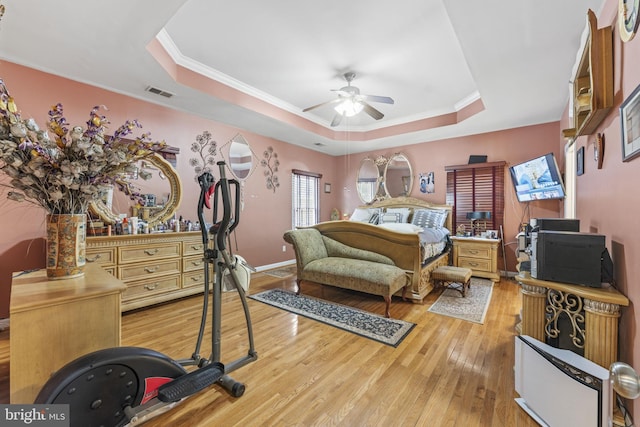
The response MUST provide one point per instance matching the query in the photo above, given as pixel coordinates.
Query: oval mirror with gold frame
(369, 181)
(160, 172)
(398, 176)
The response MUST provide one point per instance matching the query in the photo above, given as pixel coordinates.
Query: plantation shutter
(305, 196)
(476, 187)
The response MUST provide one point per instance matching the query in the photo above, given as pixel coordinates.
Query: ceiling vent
(159, 91)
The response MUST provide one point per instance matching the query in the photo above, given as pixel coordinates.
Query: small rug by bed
(472, 308)
(282, 272)
(365, 324)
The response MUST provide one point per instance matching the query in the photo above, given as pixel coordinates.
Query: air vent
(318, 144)
(159, 91)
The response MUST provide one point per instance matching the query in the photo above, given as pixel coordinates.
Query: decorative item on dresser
(65, 173)
(155, 267)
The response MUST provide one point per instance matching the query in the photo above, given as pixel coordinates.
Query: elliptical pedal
(191, 383)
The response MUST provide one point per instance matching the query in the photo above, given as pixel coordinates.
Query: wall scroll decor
(630, 119)
(206, 148)
(271, 168)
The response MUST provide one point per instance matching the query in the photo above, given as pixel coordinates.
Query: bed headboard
(413, 203)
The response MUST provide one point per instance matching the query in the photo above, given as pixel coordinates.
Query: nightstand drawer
(149, 269)
(476, 264)
(476, 251)
(151, 287)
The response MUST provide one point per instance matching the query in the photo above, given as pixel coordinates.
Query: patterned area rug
(282, 272)
(365, 324)
(472, 308)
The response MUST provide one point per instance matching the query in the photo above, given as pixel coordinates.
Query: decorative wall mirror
(154, 177)
(241, 156)
(369, 181)
(398, 176)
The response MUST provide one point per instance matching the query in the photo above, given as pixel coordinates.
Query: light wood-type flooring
(447, 372)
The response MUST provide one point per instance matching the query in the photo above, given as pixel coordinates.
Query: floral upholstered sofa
(323, 260)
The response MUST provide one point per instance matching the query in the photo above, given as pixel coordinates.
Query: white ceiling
(433, 57)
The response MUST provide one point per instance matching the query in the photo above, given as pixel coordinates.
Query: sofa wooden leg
(387, 300)
(298, 281)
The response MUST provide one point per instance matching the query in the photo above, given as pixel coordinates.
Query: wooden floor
(447, 372)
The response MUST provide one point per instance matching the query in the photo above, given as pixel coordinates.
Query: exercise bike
(126, 386)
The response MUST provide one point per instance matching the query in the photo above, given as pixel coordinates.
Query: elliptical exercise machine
(129, 385)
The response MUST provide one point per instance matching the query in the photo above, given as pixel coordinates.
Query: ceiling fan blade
(376, 98)
(333, 101)
(372, 111)
(336, 120)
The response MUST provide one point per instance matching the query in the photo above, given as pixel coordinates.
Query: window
(476, 187)
(305, 198)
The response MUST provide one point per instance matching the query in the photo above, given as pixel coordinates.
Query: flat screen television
(537, 179)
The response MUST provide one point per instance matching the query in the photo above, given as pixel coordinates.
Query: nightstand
(478, 254)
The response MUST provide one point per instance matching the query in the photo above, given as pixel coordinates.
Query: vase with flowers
(65, 172)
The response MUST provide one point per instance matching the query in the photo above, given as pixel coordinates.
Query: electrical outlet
(284, 248)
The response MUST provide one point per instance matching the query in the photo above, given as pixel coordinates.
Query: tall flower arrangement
(64, 172)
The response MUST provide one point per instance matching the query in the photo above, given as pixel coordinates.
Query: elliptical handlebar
(228, 223)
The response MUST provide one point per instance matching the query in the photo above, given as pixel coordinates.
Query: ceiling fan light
(348, 108)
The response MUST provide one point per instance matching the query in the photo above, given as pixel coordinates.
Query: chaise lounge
(323, 260)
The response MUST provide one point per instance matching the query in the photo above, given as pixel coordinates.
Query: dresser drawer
(193, 263)
(195, 278)
(151, 287)
(145, 270)
(193, 247)
(101, 256)
(473, 251)
(137, 253)
(476, 264)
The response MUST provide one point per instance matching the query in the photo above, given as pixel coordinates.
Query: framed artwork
(580, 161)
(630, 121)
(327, 187)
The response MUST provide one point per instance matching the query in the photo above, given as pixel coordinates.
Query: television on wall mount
(537, 179)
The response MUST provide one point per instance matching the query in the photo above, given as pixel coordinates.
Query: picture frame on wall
(630, 122)
(327, 187)
(580, 161)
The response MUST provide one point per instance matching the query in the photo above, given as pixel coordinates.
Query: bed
(408, 247)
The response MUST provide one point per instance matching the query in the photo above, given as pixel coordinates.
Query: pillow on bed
(404, 213)
(401, 227)
(429, 218)
(389, 217)
(361, 215)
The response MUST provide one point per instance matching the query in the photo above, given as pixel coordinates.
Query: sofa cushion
(364, 276)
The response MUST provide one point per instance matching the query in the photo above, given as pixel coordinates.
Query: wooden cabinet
(56, 321)
(478, 254)
(155, 267)
(593, 81)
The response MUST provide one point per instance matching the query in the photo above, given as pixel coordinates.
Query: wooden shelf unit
(593, 82)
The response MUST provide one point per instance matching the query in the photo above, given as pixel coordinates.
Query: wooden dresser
(56, 321)
(155, 267)
(478, 254)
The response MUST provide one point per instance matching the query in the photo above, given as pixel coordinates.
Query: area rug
(472, 308)
(363, 323)
(282, 272)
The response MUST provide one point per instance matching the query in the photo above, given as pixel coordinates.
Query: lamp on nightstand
(626, 383)
(476, 216)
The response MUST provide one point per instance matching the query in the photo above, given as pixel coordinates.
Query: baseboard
(4, 324)
(276, 265)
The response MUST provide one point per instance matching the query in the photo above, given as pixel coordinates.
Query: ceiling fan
(350, 102)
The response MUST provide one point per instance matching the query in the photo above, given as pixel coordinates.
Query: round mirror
(240, 158)
(398, 176)
(369, 181)
(154, 178)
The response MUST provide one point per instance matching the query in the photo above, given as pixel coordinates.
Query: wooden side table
(53, 322)
(478, 254)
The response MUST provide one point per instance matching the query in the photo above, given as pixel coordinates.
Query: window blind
(305, 196)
